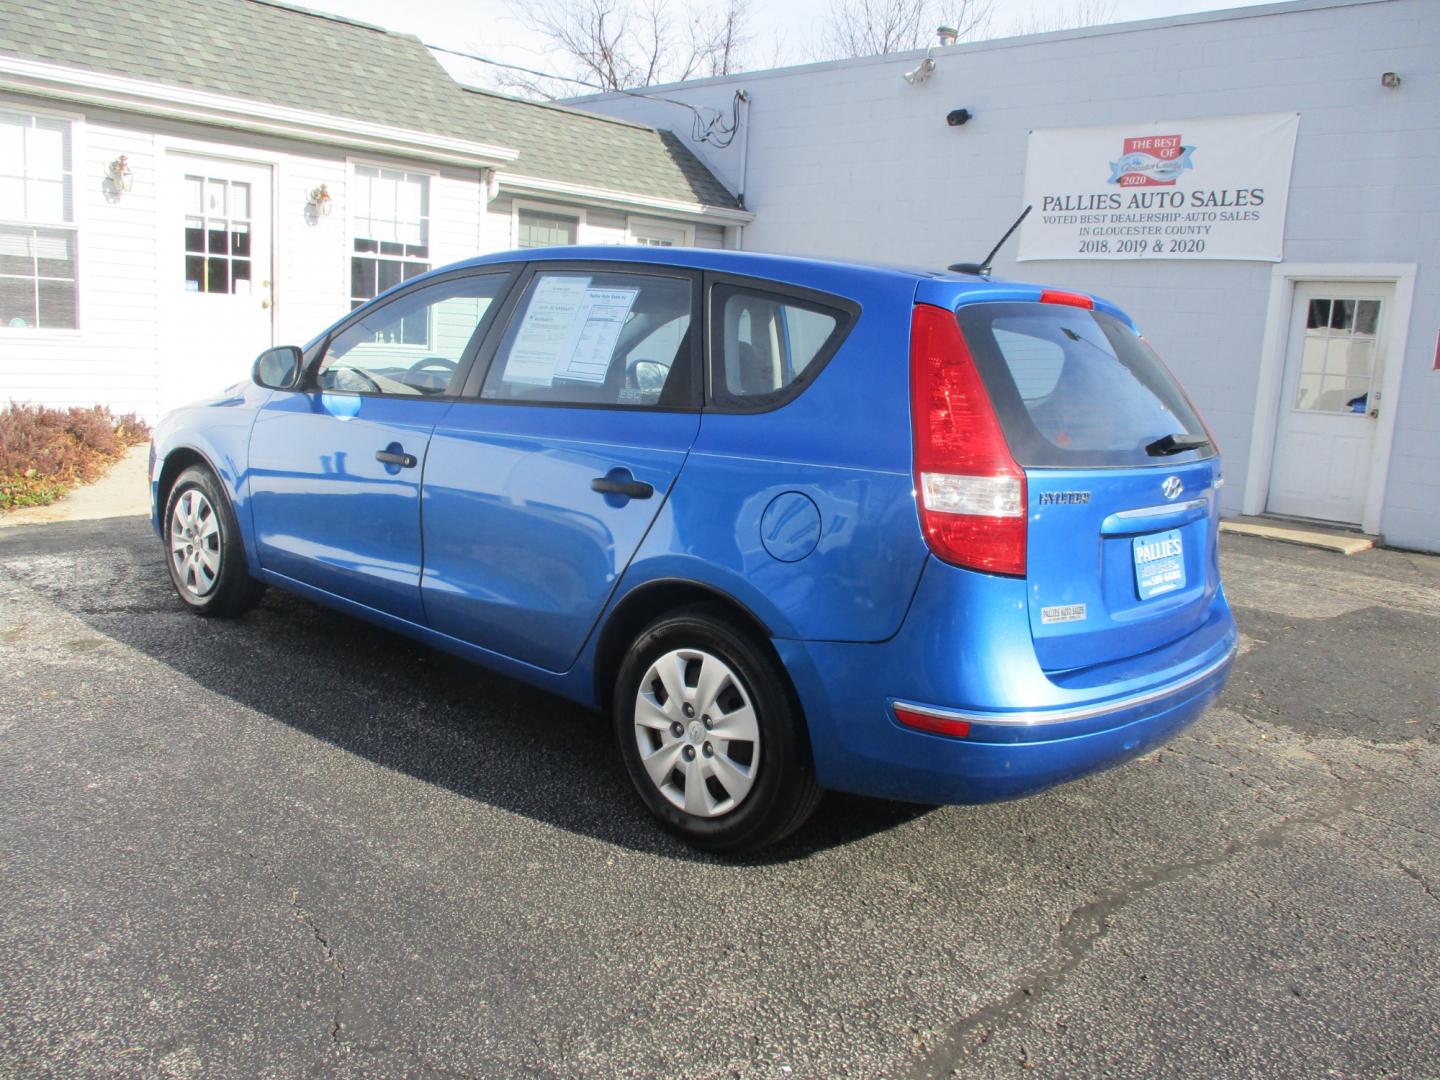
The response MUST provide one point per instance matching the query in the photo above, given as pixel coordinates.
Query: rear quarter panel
(845, 444)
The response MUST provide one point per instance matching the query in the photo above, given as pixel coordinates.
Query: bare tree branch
(719, 39)
(1066, 15)
(876, 27)
(630, 44)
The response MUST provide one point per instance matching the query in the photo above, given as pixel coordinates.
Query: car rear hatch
(1117, 476)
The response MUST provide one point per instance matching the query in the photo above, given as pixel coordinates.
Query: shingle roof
(557, 143)
(265, 51)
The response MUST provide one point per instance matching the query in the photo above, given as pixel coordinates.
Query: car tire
(711, 733)
(203, 549)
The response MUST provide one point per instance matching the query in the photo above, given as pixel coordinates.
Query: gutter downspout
(744, 163)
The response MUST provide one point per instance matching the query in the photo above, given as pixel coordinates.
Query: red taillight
(1060, 296)
(936, 725)
(969, 491)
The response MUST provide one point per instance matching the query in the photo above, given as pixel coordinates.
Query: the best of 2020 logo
(1151, 161)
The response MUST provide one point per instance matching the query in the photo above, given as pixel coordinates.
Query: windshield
(1078, 388)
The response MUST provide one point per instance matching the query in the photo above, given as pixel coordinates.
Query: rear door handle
(631, 489)
(390, 457)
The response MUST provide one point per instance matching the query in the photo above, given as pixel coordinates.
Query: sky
(781, 30)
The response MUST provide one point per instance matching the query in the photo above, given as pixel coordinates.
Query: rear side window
(1074, 387)
(766, 344)
(598, 338)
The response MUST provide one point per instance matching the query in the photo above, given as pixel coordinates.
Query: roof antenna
(983, 269)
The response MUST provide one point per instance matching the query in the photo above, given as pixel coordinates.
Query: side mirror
(278, 368)
(648, 376)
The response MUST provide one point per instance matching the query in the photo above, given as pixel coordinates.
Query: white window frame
(555, 209)
(351, 163)
(1265, 425)
(634, 226)
(79, 164)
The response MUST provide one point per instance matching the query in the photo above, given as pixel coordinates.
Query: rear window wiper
(1175, 444)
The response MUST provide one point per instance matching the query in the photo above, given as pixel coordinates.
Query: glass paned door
(1325, 435)
(220, 276)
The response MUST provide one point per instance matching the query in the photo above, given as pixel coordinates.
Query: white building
(184, 183)
(850, 159)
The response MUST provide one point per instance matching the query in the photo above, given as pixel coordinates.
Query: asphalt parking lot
(297, 846)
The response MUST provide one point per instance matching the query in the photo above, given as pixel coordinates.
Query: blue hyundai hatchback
(794, 525)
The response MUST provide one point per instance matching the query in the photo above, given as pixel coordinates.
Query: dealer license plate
(1159, 563)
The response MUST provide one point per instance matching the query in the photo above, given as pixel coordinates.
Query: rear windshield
(1076, 388)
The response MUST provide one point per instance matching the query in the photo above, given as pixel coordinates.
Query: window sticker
(568, 333)
(545, 330)
(598, 324)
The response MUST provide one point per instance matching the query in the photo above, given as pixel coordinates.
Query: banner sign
(1212, 188)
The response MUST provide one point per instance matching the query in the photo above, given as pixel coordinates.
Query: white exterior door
(219, 228)
(1330, 400)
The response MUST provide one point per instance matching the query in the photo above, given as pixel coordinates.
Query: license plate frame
(1159, 560)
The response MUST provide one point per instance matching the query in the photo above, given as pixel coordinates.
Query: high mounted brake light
(1060, 296)
(968, 489)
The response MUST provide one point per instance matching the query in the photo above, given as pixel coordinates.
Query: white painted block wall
(847, 160)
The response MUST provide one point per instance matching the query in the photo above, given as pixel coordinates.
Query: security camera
(957, 117)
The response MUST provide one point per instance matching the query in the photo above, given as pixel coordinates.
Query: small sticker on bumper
(1063, 613)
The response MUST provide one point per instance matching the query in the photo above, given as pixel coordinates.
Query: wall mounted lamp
(921, 72)
(119, 176)
(1390, 80)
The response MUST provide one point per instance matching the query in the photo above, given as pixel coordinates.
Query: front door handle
(630, 489)
(390, 457)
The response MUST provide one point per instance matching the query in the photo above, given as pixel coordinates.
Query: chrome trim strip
(1163, 510)
(1080, 712)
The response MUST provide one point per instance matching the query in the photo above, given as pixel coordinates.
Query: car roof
(945, 287)
(749, 263)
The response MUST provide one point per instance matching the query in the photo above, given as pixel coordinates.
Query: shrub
(45, 452)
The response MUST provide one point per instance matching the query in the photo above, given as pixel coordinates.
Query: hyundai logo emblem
(1172, 487)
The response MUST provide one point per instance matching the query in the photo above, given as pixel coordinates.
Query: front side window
(540, 228)
(390, 229)
(601, 338)
(37, 223)
(412, 345)
(766, 343)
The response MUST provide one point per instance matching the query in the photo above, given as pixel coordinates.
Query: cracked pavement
(294, 845)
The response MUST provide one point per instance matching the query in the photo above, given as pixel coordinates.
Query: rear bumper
(1026, 732)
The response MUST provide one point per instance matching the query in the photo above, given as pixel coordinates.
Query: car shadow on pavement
(393, 701)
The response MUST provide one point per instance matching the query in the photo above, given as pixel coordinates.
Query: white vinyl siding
(131, 273)
(603, 227)
(709, 236)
